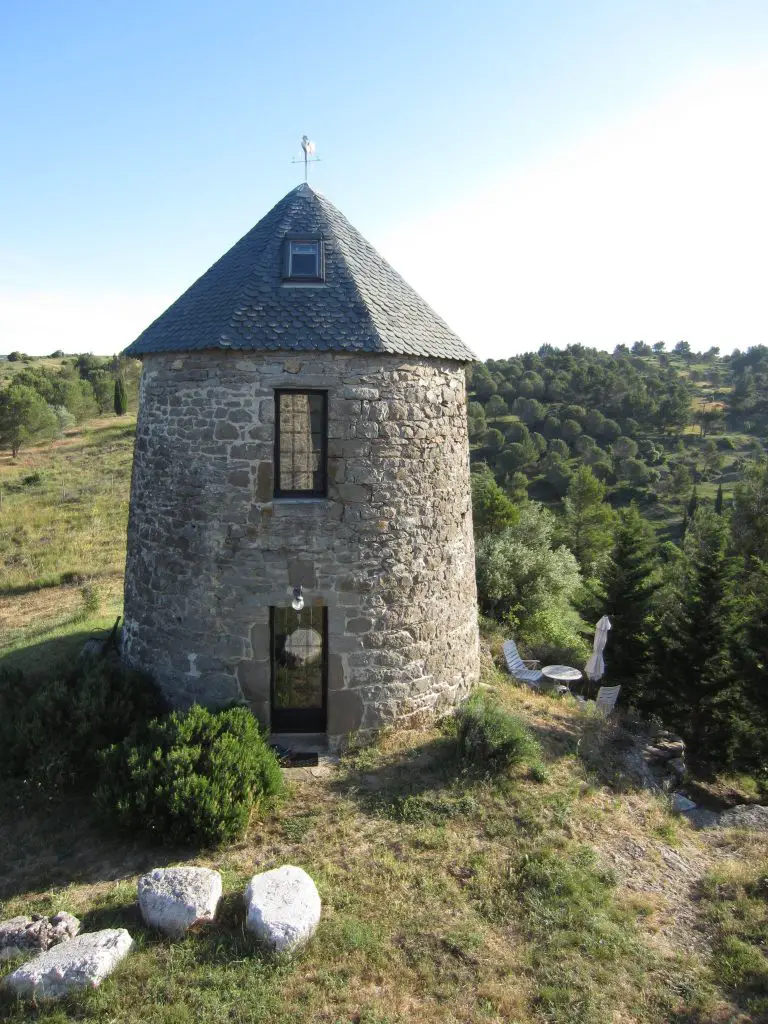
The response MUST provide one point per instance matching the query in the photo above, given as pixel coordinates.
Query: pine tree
(628, 585)
(692, 665)
(750, 710)
(588, 521)
(121, 398)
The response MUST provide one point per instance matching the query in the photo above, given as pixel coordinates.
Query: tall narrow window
(299, 643)
(301, 442)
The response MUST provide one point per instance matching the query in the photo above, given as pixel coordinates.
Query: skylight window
(304, 259)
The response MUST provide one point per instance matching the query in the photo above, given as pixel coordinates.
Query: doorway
(299, 652)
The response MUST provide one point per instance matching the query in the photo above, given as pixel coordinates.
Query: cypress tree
(693, 504)
(121, 398)
(719, 500)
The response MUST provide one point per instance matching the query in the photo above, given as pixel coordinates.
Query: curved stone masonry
(390, 551)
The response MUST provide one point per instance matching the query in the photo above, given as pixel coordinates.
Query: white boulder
(35, 934)
(283, 908)
(177, 899)
(82, 962)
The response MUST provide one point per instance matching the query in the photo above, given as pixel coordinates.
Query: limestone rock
(753, 816)
(283, 908)
(36, 934)
(702, 817)
(83, 962)
(177, 899)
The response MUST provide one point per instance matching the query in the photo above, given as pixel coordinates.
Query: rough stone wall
(389, 552)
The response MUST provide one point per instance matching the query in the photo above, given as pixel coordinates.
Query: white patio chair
(524, 671)
(606, 698)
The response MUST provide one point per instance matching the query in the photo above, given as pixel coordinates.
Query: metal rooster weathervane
(309, 155)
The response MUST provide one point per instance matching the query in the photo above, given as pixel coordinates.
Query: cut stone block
(177, 899)
(83, 962)
(21, 935)
(283, 908)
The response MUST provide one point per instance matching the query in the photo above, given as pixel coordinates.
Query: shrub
(50, 732)
(91, 601)
(491, 737)
(192, 777)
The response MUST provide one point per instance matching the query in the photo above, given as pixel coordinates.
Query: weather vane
(309, 155)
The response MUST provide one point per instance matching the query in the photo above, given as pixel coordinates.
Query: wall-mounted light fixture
(298, 599)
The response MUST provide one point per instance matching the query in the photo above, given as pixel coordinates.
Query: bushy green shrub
(50, 733)
(191, 777)
(491, 737)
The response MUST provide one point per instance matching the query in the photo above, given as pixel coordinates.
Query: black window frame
(288, 274)
(312, 720)
(322, 491)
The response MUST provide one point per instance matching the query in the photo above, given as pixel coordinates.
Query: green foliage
(750, 512)
(476, 422)
(558, 474)
(734, 908)
(627, 586)
(521, 577)
(490, 737)
(749, 716)
(492, 510)
(121, 397)
(194, 777)
(50, 732)
(25, 418)
(692, 670)
(587, 523)
(493, 440)
(91, 601)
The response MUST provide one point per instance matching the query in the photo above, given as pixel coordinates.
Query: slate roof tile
(241, 302)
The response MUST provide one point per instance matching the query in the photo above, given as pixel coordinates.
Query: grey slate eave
(242, 303)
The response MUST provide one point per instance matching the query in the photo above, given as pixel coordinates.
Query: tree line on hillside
(689, 642)
(40, 401)
(637, 418)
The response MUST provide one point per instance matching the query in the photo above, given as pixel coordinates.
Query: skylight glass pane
(304, 259)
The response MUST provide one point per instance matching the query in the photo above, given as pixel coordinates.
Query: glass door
(299, 669)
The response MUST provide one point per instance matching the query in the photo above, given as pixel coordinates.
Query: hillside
(63, 516)
(448, 896)
(651, 425)
(559, 891)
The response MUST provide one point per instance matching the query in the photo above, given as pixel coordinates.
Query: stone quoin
(300, 531)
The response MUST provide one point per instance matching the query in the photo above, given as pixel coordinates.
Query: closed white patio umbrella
(595, 667)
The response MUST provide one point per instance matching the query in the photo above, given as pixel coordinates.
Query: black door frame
(298, 719)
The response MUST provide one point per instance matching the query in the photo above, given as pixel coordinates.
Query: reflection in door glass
(299, 658)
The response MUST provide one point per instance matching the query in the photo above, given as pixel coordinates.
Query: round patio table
(561, 674)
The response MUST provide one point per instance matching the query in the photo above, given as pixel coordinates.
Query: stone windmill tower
(300, 532)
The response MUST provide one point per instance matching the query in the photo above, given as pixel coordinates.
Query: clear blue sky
(140, 140)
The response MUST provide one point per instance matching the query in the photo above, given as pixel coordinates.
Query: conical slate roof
(243, 303)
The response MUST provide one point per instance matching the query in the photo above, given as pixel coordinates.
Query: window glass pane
(299, 661)
(304, 259)
(300, 442)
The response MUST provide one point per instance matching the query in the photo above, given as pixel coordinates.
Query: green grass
(447, 897)
(63, 516)
(734, 907)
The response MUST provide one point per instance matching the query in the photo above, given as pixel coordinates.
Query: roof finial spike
(309, 155)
